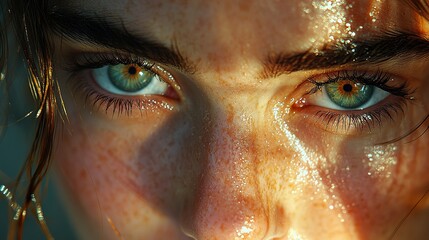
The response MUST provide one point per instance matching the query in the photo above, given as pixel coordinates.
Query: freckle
(136, 214)
(83, 174)
(145, 219)
(102, 158)
(110, 152)
(98, 166)
(244, 6)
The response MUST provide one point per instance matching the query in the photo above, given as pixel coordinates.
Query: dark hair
(29, 18)
(30, 24)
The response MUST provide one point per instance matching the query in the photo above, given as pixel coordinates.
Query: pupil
(347, 87)
(132, 70)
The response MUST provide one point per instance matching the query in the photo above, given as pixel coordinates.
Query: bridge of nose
(229, 201)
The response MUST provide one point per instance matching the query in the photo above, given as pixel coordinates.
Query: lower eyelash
(115, 106)
(364, 121)
(119, 105)
(97, 100)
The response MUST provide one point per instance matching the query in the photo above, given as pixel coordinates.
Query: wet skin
(236, 151)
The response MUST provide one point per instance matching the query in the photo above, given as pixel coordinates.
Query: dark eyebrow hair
(375, 49)
(109, 31)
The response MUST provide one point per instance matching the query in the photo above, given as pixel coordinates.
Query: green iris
(130, 77)
(348, 94)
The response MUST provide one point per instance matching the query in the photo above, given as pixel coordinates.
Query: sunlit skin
(237, 154)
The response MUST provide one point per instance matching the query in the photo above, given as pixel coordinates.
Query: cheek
(124, 177)
(379, 186)
(348, 187)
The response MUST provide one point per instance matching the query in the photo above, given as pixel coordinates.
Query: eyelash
(118, 104)
(368, 119)
(97, 60)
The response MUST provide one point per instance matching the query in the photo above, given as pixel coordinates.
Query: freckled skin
(227, 162)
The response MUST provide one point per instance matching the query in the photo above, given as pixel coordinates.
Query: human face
(262, 120)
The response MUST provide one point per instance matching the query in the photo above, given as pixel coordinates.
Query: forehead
(225, 31)
(298, 21)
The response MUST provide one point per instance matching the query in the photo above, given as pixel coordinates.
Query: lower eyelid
(388, 111)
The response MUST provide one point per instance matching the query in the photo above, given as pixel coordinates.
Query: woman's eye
(123, 84)
(352, 102)
(348, 95)
(129, 79)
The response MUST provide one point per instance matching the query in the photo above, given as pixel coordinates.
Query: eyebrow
(110, 32)
(372, 50)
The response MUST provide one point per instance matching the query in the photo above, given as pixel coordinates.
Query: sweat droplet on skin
(336, 21)
(380, 159)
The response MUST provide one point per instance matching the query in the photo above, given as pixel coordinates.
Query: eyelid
(87, 60)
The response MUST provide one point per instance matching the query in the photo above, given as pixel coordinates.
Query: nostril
(242, 222)
(215, 213)
(215, 216)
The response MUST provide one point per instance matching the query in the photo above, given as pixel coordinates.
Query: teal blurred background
(16, 136)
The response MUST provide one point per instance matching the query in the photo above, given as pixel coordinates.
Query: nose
(228, 201)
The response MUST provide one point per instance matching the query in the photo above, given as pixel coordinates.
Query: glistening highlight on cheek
(362, 185)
